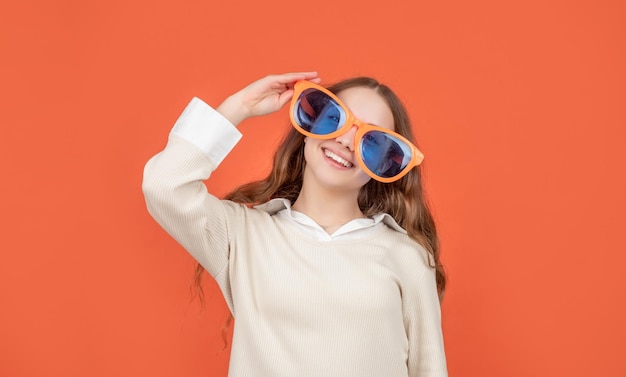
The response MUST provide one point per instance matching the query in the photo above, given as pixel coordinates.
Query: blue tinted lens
(384, 154)
(318, 113)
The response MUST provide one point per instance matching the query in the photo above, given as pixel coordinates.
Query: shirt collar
(274, 206)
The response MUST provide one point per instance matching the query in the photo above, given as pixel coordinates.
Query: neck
(330, 209)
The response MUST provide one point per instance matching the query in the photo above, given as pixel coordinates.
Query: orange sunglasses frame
(362, 128)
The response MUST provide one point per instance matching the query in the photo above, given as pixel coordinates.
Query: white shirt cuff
(207, 129)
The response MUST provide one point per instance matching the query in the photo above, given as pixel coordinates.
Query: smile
(337, 159)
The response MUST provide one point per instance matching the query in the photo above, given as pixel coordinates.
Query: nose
(347, 139)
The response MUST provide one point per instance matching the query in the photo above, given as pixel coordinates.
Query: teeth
(338, 159)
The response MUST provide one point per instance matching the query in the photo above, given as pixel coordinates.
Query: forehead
(368, 106)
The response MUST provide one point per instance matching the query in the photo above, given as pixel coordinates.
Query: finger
(307, 74)
(288, 78)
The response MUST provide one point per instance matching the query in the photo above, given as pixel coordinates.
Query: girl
(330, 265)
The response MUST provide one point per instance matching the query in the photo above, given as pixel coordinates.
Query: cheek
(310, 146)
(363, 177)
(312, 151)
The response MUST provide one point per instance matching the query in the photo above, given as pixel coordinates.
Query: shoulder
(408, 255)
(241, 212)
(248, 221)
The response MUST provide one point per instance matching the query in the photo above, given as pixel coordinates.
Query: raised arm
(201, 138)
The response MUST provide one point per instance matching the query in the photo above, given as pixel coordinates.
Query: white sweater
(303, 307)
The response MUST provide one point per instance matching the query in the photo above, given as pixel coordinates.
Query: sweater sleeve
(175, 193)
(422, 317)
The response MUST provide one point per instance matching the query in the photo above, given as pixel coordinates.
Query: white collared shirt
(357, 228)
(351, 229)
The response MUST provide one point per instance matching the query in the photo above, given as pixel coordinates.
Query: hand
(263, 97)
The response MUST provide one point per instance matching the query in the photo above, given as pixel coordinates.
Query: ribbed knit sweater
(302, 307)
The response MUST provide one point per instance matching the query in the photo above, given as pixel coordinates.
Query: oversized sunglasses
(383, 154)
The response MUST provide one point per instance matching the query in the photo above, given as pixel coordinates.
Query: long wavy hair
(403, 199)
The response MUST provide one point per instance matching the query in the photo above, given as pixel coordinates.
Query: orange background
(518, 106)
